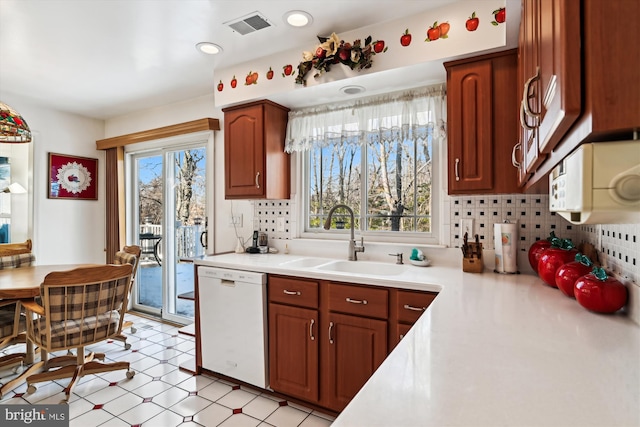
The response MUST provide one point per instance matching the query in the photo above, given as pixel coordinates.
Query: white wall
(64, 231)
(221, 236)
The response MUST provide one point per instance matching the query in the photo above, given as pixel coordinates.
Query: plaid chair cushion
(16, 261)
(7, 316)
(73, 302)
(73, 333)
(123, 257)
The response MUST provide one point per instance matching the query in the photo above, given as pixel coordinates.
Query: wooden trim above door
(158, 133)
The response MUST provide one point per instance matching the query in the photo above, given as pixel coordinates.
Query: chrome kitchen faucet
(353, 247)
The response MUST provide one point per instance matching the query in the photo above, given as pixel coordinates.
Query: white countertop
(492, 350)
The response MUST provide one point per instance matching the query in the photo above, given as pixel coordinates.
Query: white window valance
(406, 115)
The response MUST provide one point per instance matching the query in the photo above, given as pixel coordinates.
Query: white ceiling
(105, 58)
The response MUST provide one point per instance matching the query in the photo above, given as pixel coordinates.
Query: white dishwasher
(233, 323)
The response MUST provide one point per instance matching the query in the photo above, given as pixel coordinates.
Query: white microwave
(598, 183)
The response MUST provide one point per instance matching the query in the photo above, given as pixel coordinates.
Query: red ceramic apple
(568, 274)
(536, 250)
(554, 257)
(600, 293)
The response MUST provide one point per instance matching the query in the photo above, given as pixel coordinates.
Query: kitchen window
(379, 157)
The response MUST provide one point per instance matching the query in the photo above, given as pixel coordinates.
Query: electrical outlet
(235, 220)
(466, 226)
(280, 224)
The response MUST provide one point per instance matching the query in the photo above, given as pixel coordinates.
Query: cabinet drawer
(412, 304)
(293, 291)
(358, 300)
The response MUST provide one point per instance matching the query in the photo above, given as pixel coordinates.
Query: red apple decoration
(536, 250)
(500, 15)
(405, 39)
(472, 23)
(234, 82)
(600, 293)
(287, 70)
(568, 274)
(220, 86)
(269, 74)
(378, 46)
(433, 33)
(554, 257)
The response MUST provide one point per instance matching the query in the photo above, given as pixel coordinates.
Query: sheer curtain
(406, 115)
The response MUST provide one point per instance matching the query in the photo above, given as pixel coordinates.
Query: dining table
(23, 283)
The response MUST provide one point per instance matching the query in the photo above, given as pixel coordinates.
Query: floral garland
(332, 50)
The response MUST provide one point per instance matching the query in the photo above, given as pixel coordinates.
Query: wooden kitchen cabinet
(256, 165)
(406, 307)
(482, 124)
(355, 347)
(293, 337)
(578, 81)
(293, 351)
(327, 338)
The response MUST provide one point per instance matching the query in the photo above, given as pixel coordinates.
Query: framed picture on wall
(72, 177)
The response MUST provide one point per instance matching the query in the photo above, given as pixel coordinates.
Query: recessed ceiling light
(209, 48)
(298, 18)
(352, 89)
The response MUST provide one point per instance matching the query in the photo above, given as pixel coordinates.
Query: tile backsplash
(618, 244)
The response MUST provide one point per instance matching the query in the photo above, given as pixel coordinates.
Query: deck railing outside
(188, 237)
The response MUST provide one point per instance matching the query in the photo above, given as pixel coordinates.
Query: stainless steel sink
(363, 267)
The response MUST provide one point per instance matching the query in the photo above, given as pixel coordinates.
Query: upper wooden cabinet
(482, 124)
(577, 79)
(256, 166)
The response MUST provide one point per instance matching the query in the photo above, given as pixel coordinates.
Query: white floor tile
(115, 422)
(182, 358)
(323, 415)
(170, 397)
(240, 420)
(144, 364)
(176, 376)
(195, 383)
(105, 395)
(167, 354)
(190, 406)
(91, 419)
(90, 384)
(236, 399)
(79, 407)
(139, 379)
(122, 404)
(151, 389)
(164, 419)
(314, 421)
(212, 415)
(286, 416)
(160, 370)
(141, 413)
(215, 391)
(260, 407)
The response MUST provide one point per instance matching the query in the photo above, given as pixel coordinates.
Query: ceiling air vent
(248, 24)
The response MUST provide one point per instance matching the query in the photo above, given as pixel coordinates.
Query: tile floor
(160, 394)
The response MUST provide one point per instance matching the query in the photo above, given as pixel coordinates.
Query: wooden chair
(128, 255)
(12, 323)
(78, 308)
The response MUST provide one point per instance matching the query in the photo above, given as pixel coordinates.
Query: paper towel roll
(506, 246)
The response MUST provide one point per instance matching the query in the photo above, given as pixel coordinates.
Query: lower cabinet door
(293, 351)
(355, 347)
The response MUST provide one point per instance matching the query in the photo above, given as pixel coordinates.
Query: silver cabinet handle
(523, 118)
(357, 301)
(311, 329)
(412, 308)
(330, 331)
(456, 169)
(257, 179)
(526, 97)
(286, 292)
(515, 162)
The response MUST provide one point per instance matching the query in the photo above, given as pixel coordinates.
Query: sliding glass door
(167, 214)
